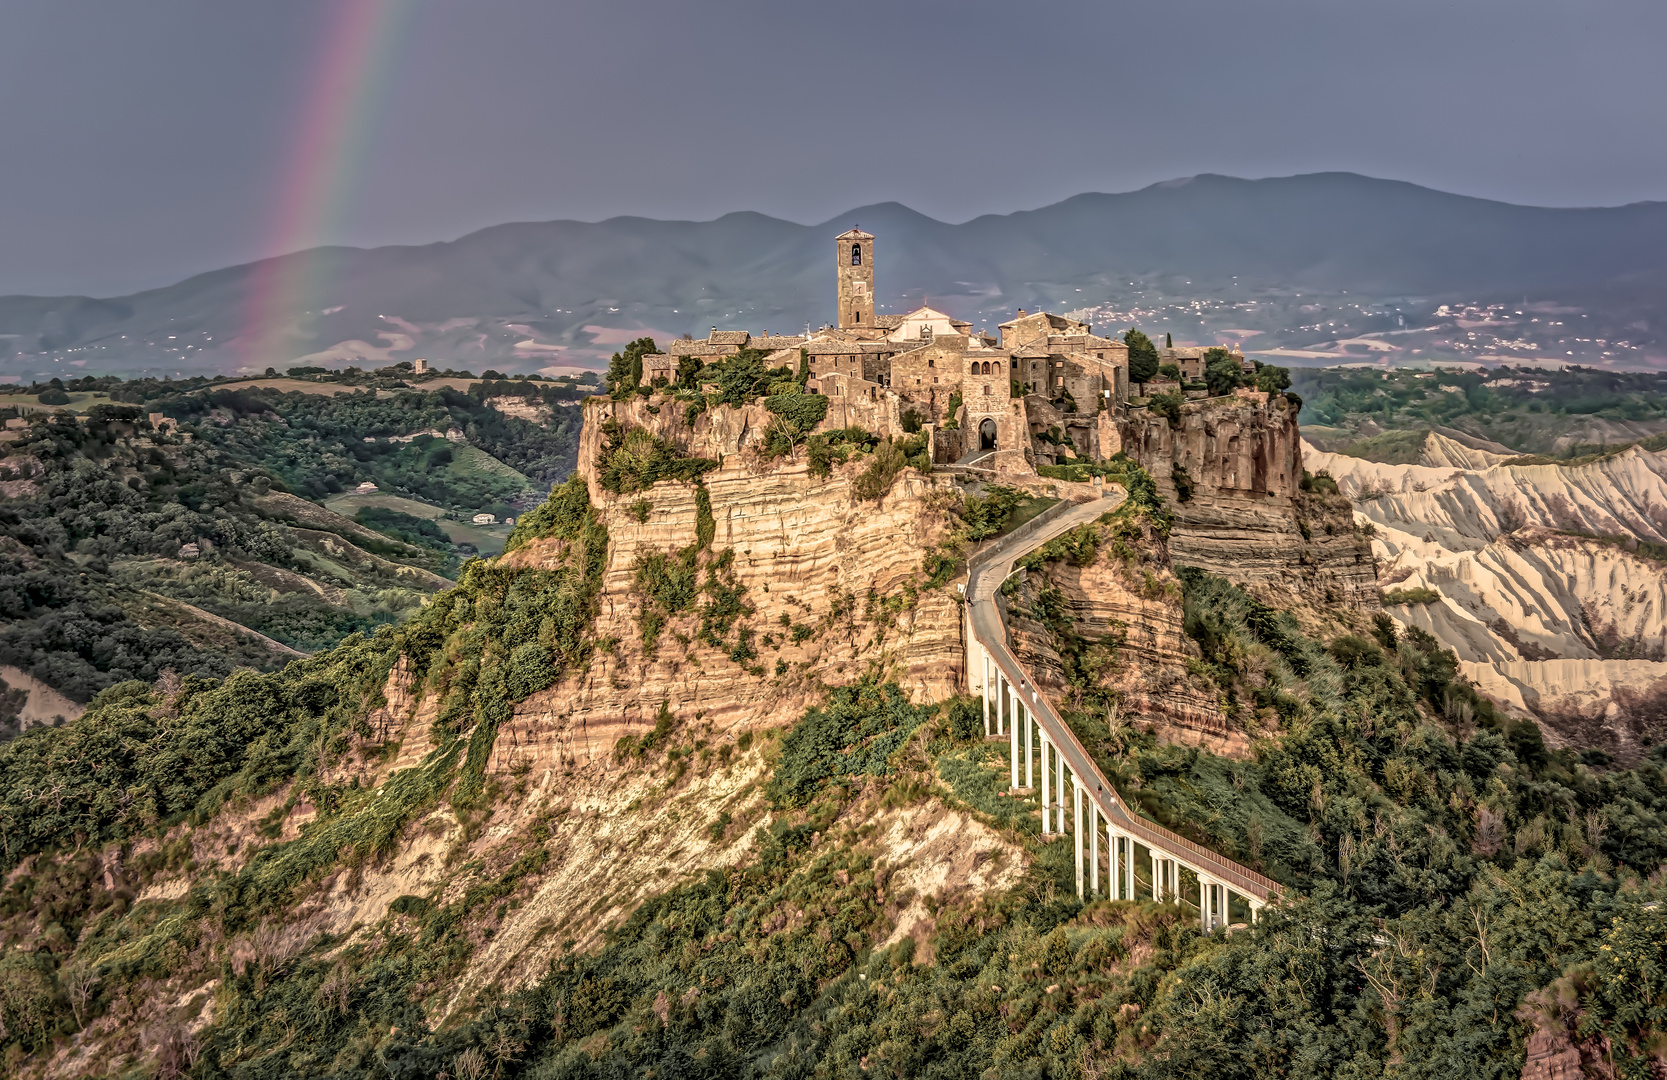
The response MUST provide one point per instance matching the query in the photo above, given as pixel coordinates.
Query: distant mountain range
(1311, 263)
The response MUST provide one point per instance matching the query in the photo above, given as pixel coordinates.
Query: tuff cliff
(1099, 622)
(1232, 470)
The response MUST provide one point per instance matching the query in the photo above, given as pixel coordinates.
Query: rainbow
(346, 83)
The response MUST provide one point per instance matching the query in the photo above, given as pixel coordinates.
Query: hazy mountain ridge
(526, 292)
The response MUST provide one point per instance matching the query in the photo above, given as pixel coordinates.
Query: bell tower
(854, 259)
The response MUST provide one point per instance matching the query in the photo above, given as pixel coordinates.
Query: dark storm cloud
(143, 142)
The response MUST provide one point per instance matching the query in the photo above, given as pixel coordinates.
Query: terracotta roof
(729, 337)
(854, 234)
(888, 322)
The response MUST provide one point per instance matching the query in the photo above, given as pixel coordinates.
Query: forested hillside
(127, 551)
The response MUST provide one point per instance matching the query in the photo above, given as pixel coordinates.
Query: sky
(143, 142)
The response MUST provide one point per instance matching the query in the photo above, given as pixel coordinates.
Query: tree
(1222, 373)
(1272, 379)
(1170, 371)
(1169, 341)
(1143, 356)
(625, 369)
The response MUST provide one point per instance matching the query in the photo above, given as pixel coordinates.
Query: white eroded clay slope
(1516, 590)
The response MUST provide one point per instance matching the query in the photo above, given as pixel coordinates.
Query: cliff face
(827, 588)
(805, 550)
(1102, 630)
(1246, 517)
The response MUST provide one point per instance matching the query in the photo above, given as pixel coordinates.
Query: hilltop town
(1045, 391)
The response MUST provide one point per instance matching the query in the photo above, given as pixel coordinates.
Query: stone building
(1191, 361)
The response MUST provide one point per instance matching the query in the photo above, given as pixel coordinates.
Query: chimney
(1021, 313)
(714, 329)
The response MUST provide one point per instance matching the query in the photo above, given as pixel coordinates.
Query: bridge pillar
(1047, 810)
(984, 688)
(1076, 832)
(1094, 849)
(1059, 787)
(1013, 726)
(1022, 715)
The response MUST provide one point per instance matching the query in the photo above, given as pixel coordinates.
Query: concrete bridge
(1113, 844)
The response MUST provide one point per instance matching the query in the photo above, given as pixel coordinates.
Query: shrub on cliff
(855, 732)
(635, 459)
(1168, 406)
(1418, 594)
(741, 378)
(890, 458)
(1222, 374)
(558, 515)
(625, 369)
(795, 415)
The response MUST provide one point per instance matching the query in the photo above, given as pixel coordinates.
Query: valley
(179, 533)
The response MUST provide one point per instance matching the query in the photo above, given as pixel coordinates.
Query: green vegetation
(1391, 448)
(796, 414)
(636, 459)
(1168, 406)
(891, 457)
(1551, 416)
(407, 528)
(1143, 356)
(1420, 594)
(1445, 867)
(316, 444)
(855, 733)
(625, 369)
(92, 555)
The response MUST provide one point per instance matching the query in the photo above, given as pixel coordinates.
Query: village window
(856, 254)
(993, 369)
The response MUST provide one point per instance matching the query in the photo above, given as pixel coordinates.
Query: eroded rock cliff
(1232, 469)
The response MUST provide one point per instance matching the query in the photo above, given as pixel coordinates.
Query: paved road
(985, 574)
